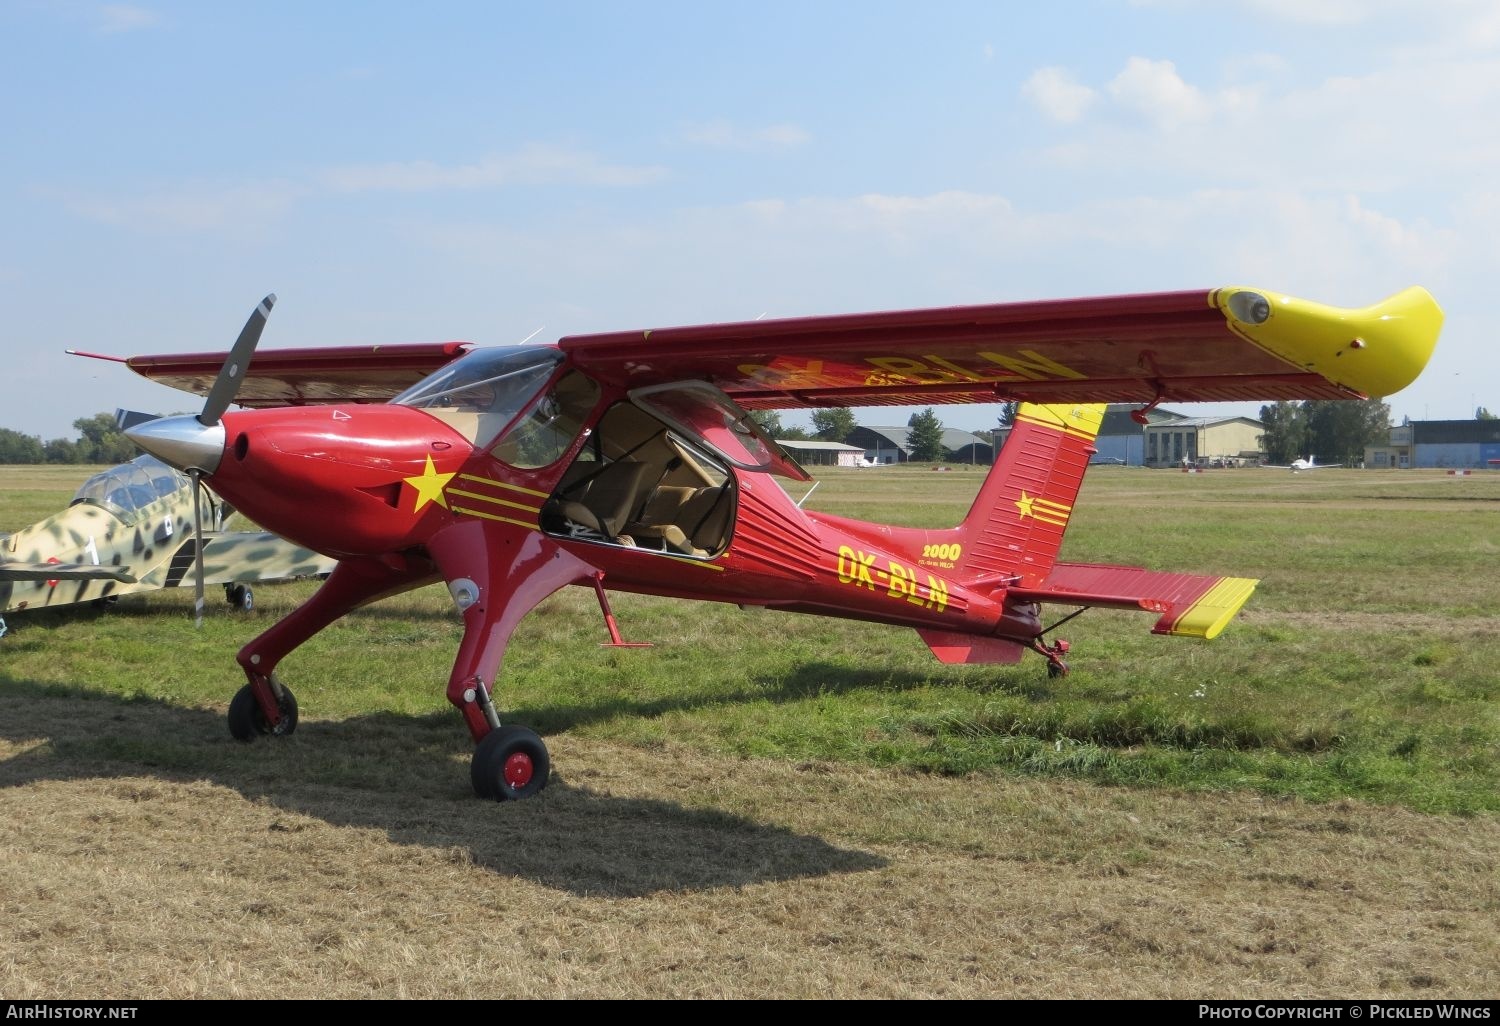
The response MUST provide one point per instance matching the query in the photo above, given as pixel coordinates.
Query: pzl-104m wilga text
(628, 461)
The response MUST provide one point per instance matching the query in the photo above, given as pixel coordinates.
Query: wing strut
(615, 641)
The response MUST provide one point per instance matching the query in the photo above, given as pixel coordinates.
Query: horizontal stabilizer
(64, 572)
(1191, 605)
(953, 647)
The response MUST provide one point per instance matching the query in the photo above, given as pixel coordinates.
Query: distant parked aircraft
(130, 529)
(1298, 465)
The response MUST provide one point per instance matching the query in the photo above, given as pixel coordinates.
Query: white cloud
(532, 165)
(1155, 90)
(1316, 12)
(193, 207)
(1058, 95)
(722, 134)
(112, 18)
(240, 207)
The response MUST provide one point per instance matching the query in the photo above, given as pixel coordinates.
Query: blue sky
(481, 170)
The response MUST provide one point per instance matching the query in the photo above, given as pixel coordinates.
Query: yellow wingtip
(1377, 350)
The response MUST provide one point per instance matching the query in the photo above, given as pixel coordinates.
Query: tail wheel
(1053, 654)
(247, 722)
(509, 764)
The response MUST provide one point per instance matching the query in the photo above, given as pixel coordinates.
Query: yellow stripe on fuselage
(1207, 617)
(502, 484)
(463, 493)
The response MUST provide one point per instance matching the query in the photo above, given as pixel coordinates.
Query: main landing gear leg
(496, 575)
(265, 705)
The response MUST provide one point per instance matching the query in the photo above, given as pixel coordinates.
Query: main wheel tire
(247, 722)
(240, 596)
(511, 763)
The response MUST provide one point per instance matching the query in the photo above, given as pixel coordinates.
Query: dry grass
(664, 873)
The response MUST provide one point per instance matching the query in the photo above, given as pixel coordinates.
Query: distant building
(1454, 444)
(1204, 441)
(1121, 439)
(890, 445)
(823, 454)
(1168, 436)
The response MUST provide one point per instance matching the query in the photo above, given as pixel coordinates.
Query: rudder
(1015, 528)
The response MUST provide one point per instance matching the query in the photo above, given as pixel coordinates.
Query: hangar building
(1452, 444)
(889, 445)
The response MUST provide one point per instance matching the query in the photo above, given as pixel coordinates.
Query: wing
(301, 377)
(64, 572)
(1219, 345)
(239, 556)
(1190, 605)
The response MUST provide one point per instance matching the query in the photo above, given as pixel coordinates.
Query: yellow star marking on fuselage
(429, 486)
(1024, 505)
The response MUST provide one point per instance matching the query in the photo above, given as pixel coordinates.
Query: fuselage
(701, 516)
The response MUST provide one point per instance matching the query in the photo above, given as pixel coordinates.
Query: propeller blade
(198, 603)
(230, 375)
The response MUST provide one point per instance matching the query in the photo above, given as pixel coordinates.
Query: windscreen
(481, 393)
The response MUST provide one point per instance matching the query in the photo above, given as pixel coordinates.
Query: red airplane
(628, 461)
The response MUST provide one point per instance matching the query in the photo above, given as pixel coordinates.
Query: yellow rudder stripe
(1081, 420)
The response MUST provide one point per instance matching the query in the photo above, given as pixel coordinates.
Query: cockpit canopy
(480, 393)
(131, 486)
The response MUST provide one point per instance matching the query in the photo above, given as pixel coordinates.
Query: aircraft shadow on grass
(805, 681)
(405, 775)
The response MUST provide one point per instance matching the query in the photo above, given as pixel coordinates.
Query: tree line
(99, 441)
(924, 444)
(1336, 431)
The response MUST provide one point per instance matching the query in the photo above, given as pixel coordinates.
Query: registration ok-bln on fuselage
(628, 462)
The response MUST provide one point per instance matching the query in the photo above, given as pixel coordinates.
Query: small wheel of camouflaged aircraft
(628, 461)
(132, 529)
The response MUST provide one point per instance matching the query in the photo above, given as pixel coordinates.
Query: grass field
(791, 806)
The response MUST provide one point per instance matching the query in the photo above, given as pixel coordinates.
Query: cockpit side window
(546, 431)
(702, 413)
(480, 394)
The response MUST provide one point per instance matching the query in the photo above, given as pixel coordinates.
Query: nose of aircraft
(185, 442)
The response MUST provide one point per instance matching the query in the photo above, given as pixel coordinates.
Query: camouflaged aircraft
(130, 529)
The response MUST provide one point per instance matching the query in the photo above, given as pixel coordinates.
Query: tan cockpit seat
(610, 500)
(691, 521)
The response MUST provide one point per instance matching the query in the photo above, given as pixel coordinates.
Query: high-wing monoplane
(629, 461)
(131, 529)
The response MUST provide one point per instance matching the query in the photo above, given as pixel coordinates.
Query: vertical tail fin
(1016, 525)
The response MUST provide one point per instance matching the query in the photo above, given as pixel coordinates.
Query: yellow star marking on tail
(1044, 510)
(430, 486)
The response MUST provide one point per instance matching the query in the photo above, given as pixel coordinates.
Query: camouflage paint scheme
(130, 530)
